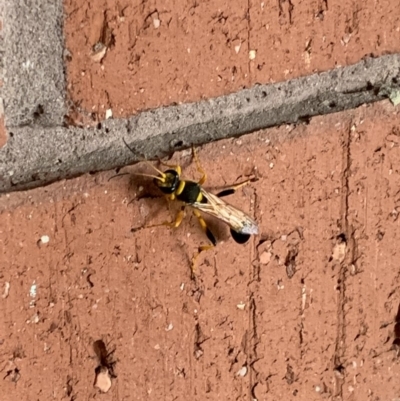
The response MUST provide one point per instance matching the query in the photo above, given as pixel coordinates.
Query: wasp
(192, 194)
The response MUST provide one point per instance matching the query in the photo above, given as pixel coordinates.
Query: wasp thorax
(169, 182)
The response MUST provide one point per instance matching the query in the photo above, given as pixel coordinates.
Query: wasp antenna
(162, 179)
(132, 151)
(117, 175)
(156, 169)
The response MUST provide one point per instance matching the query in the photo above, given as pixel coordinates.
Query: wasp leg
(176, 167)
(210, 236)
(199, 168)
(232, 189)
(172, 224)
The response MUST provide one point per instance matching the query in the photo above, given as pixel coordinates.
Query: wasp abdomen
(240, 238)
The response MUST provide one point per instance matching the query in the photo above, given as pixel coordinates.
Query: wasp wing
(235, 218)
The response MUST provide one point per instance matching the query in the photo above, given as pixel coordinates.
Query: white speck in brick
(271, 165)
(108, 114)
(252, 54)
(44, 239)
(35, 318)
(186, 153)
(33, 290)
(242, 372)
(241, 305)
(6, 290)
(170, 327)
(156, 23)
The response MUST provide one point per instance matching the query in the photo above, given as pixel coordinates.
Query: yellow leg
(172, 224)
(199, 168)
(210, 236)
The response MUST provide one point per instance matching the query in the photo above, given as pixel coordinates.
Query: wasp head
(168, 182)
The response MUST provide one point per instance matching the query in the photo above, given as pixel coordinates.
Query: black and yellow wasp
(192, 194)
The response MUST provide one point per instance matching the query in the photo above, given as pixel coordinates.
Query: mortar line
(37, 155)
(252, 354)
(248, 41)
(347, 231)
(252, 338)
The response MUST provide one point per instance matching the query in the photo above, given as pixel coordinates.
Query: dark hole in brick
(396, 341)
(39, 111)
(339, 369)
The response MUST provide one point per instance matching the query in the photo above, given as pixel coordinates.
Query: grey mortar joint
(36, 156)
(34, 78)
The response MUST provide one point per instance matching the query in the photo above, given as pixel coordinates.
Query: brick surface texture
(304, 311)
